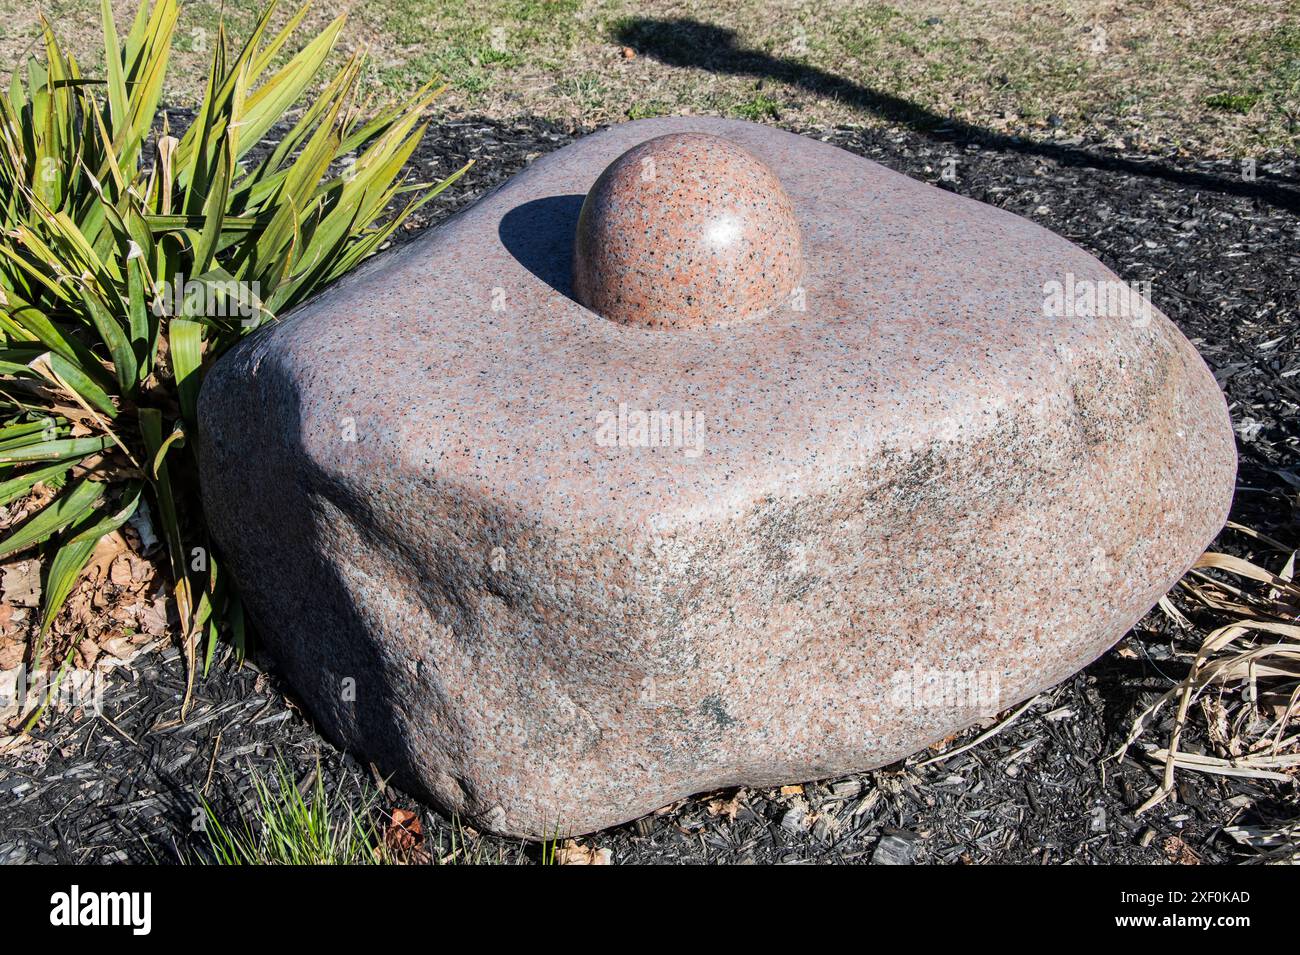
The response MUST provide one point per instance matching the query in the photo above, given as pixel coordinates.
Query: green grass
(1168, 76)
(758, 108)
(289, 827)
(649, 110)
(294, 824)
(473, 46)
(1241, 103)
(585, 89)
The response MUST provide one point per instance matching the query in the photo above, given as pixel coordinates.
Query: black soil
(1221, 252)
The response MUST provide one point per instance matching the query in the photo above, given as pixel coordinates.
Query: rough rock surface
(555, 571)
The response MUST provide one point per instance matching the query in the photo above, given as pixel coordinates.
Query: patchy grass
(1232, 102)
(292, 826)
(758, 108)
(299, 823)
(1210, 79)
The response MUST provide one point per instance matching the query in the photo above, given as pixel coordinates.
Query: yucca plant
(131, 258)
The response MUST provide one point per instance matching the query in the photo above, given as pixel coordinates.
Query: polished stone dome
(685, 231)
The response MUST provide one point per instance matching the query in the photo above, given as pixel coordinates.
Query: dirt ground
(1220, 252)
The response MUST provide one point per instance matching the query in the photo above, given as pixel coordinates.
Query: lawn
(1211, 80)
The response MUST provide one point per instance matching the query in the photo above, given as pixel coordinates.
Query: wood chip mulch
(1223, 256)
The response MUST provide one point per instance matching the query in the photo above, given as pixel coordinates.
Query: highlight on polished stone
(685, 230)
(601, 521)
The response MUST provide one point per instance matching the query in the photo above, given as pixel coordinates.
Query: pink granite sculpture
(829, 469)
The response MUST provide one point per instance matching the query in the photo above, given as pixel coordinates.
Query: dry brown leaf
(1216, 727)
(575, 853)
(120, 647)
(21, 583)
(142, 571)
(109, 548)
(1173, 613)
(88, 652)
(720, 806)
(120, 573)
(153, 618)
(791, 790)
(404, 837)
(1179, 852)
(1244, 568)
(11, 654)
(940, 744)
(124, 613)
(39, 496)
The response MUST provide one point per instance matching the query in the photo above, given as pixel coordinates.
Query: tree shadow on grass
(690, 43)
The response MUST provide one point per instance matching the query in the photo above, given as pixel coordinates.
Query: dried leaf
(404, 837)
(108, 550)
(153, 619)
(21, 583)
(1179, 852)
(720, 806)
(576, 853)
(120, 573)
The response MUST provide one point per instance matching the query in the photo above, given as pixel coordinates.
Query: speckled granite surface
(685, 231)
(555, 570)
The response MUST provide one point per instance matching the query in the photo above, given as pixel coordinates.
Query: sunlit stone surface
(555, 566)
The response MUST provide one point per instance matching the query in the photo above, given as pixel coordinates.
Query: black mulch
(1222, 255)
